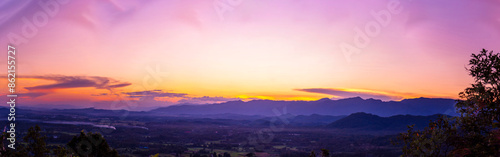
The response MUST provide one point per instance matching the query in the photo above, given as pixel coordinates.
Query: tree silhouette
(88, 145)
(35, 143)
(476, 132)
(313, 154)
(325, 153)
(61, 151)
(480, 107)
(91, 145)
(3, 150)
(251, 154)
(432, 141)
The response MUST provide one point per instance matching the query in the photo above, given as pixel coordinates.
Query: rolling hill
(365, 121)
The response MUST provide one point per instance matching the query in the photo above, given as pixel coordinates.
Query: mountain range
(325, 106)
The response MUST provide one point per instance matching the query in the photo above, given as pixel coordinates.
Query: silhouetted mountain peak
(354, 98)
(322, 100)
(371, 99)
(363, 114)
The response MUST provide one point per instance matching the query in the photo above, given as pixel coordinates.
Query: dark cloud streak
(77, 82)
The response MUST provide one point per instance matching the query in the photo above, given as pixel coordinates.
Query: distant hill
(313, 120)
(418, 106)
(365, 121)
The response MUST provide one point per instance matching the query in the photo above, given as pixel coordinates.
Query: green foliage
(476, 131)
(325, 153)
(35, 144)
(4, 151)
(434, 140)
(156, 155)
(91, 145)
(61, 151)
(313, 154)
(479, 106)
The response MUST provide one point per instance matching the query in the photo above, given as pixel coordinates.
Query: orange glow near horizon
(91, 94)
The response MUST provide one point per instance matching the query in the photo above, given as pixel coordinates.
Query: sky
(138, 55)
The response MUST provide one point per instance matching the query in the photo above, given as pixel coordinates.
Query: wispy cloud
(206, 100)
(153, 94)
(62, 82)
(346, 93)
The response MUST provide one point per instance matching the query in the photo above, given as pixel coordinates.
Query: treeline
(34, 145)
(476, 132)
